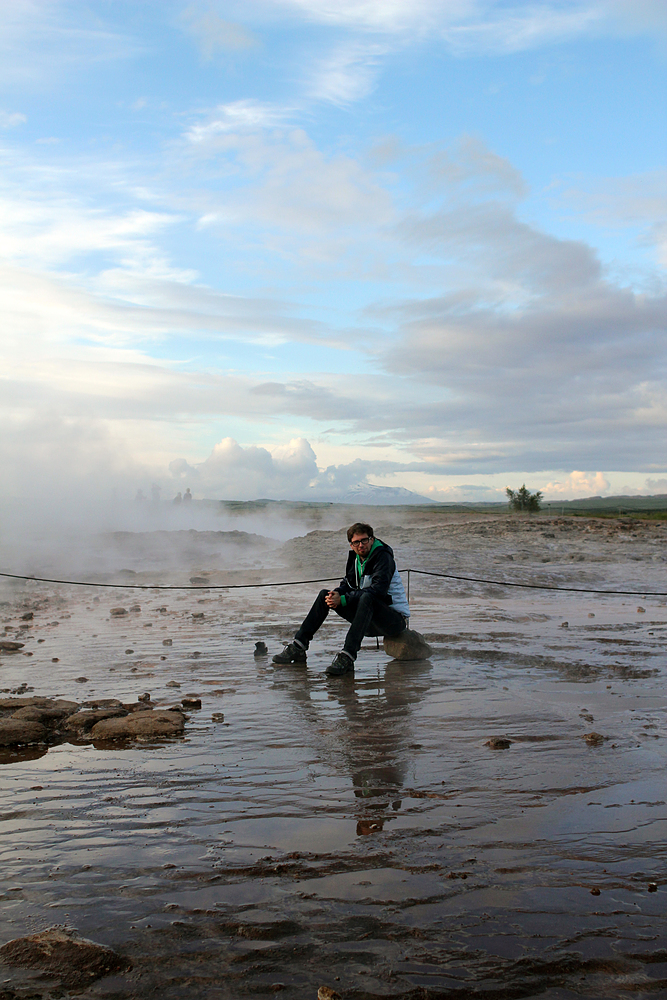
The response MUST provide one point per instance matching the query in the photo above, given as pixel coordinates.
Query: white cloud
(10, 119)
(238, 115)
(577, 484)
(214, 34)
(347, 74)
(45, 39)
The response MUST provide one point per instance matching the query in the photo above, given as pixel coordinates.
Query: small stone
(81, 680)
(9, 646)
(326, 993)
(260, 649)
(167, 642)
(118, 612)
(172, 684)
(652, 887)
(61, 952)
(591, 615)
(27, 617)
(595, 892)
(498, 743)
(135, 607)
(641, 611)
(365, 827)
(191, 701)
(199, 580)
(163, 657)
(195, 655)
(128, 651)
(144, 697)
(593, 739)
(407, 645)
(197, 614)
(564, 624)
(218, 717)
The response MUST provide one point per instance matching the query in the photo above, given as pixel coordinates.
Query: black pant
(368, 616)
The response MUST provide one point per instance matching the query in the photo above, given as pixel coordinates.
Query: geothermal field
(490, 822)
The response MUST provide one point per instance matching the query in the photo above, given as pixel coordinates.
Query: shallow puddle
(355, 832)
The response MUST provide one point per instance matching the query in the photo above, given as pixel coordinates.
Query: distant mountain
(366, 493)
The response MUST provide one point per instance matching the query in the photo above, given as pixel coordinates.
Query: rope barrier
(328, 579)
(159, 586)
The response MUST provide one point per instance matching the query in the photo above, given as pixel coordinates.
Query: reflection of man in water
(370, 596)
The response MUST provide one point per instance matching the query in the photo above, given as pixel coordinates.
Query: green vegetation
(523, 501)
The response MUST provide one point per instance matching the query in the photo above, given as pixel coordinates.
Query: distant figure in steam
(370, 596)
(178, 499)
(140, 497)
(187, 496)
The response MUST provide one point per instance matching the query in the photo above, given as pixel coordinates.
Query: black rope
(328, 579)
(158, 586)
(542, 586)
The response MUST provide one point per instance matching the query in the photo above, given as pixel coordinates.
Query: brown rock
(407, 645)
(47, 716)
(9, 646)
(61, 952)
(82, 722)
(326, 993)
(13, 704)
(593, 739)
(191, 701)
(27, 617)
(139, 724)
(498, 743)
(14, 731)
(118, 612)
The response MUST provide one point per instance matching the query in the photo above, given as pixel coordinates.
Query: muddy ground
(355, 832)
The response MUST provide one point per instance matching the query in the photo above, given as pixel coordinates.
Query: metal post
(408, 594)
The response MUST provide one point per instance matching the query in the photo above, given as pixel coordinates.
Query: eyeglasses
(360, 541)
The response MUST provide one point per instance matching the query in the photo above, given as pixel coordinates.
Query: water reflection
(371, 735)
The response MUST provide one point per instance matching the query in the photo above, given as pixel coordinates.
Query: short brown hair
(359, 528)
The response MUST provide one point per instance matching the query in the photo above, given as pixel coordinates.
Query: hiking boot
(342, 663)
(292, 653)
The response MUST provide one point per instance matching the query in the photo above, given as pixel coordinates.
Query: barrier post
(408, 594)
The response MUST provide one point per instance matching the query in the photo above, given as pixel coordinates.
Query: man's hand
(332, 599)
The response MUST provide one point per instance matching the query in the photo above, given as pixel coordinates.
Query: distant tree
(523, 501)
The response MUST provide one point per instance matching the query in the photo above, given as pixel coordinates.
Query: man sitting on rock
(370, 596)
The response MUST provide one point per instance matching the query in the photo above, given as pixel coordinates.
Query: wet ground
(355, 832)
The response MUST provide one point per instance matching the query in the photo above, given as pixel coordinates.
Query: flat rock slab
(16, 731)
(9, 646)
(408, 645)
(13, 704)
(61, 952)
(140, 725)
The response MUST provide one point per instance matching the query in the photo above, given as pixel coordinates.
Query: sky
(281, 247)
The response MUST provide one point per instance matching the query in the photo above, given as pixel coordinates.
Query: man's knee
(323, 593)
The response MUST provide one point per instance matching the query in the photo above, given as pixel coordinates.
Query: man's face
(361, 544)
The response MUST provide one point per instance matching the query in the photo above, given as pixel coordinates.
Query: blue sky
(276, 248)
